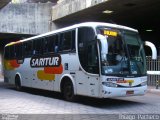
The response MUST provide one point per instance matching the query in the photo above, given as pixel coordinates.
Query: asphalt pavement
(40, 104)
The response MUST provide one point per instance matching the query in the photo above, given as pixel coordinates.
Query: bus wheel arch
(67, 88)
(18, 83)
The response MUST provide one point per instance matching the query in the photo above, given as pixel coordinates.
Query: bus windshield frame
(126, 56)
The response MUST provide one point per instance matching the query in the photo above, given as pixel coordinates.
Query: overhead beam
(125, 12)
(67, 7)
(3, 3)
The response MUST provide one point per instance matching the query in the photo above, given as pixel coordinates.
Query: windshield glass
(136, 53)
(125, 53)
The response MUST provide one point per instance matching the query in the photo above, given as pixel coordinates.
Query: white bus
(82, 59)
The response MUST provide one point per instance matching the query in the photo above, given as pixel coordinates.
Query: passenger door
(87, 77)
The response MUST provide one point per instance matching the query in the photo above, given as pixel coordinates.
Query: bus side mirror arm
(153, 48)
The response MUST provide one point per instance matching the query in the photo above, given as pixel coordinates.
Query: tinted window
(61, 41)
(28, 48)
(67, 41)
(92, 58)
(12, 52)
(87, 50)
(7, 53)
(38, 46)
(18, 50)
(73, 40)
(49, 44)
(56, 44)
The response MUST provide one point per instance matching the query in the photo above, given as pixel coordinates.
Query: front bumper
(120, 92)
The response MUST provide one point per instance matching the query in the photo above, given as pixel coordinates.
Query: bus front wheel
(18, 83)
(68, 91)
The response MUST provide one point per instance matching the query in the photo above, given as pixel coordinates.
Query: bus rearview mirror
(153, 48)
(104, 45)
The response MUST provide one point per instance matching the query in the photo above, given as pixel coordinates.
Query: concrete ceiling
(140, 14)
(12, 36)
(3, 3)
(42, 1)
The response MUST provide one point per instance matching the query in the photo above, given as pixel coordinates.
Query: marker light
(107, 11)
(149, 30)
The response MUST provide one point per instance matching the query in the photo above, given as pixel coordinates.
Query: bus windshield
(125, 55)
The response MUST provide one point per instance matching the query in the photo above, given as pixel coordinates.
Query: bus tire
(68, 91)
(18, 83)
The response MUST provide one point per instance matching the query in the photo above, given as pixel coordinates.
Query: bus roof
(89, 24)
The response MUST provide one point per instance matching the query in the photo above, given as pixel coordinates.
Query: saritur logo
(47, 61)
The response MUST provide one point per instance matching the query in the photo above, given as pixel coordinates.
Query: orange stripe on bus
(14, 63)
(11, 64)
(54, 70)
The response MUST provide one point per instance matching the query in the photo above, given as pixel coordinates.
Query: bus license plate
(131, 92)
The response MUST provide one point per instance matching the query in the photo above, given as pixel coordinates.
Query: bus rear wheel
(18, 83)
(68, 91)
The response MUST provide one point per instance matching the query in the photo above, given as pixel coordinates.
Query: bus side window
(38, 46)
(60, 42)
(82, 48)
(67, 41)
(67, 38)
(87, 50)
(73, 40)
(12, 52)
(7, 53)
(56, 48)
(92, 59)
(55, 44)
(46, 48)
(18, 50)
(28, 51)
(50, 43)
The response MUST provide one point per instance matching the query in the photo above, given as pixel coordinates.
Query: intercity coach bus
(80, 60)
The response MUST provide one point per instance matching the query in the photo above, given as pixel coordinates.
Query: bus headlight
(109, 84)
(144, 83)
